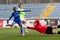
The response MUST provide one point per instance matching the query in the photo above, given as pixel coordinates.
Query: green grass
(13, 34)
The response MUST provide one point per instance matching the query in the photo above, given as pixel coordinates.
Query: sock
(58, 32)
(24, 27)
(21, 31)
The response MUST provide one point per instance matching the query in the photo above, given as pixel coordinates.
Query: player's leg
(49, 30)
(15, 25)
(14, 22)
(21, 28)
(52, 30)
(11, 25)
(24, 24)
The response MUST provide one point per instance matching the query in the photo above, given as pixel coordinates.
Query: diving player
(44, 29)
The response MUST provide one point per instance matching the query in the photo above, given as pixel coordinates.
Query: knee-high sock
(25, 28)
(21, 31)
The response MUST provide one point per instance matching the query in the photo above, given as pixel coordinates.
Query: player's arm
(24, 11)
(9, 18)
(32, 28)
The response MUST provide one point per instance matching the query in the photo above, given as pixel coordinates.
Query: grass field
(13, 34)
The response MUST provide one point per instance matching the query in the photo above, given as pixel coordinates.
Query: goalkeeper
(45, 29)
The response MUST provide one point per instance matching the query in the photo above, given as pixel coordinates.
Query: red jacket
(38, 27)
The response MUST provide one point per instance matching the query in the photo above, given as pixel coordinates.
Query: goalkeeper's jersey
(22, 14)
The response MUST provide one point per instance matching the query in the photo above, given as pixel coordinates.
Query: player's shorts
(17, 21)
(58, 26)
(49, 30)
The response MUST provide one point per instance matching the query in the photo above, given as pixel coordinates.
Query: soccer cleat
(22, 35)
(9, 25)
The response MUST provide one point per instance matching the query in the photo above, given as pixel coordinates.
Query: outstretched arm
(32, 28)
(9, 18)
(24, 11)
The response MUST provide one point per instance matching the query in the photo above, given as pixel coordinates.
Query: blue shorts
(17, 21)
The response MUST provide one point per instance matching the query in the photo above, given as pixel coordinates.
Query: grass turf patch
(13, 34)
